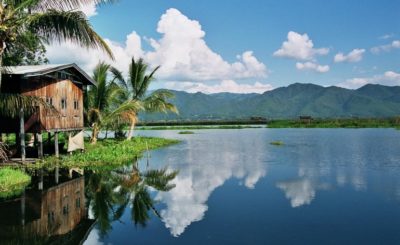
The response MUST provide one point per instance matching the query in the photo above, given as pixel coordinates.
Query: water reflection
(310, 162)
(110, 192)
(206, 164)
(51, 210)
(62, 206)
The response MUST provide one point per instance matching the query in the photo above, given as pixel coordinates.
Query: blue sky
(343, 43)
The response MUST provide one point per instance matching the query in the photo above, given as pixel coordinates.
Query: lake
(322, 186)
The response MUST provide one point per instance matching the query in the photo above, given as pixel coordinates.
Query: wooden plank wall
(68, 118)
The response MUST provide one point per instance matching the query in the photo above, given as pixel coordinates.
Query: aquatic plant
(186, 132)
(12, 182)
(278, 143)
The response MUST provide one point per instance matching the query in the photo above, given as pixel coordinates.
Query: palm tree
(103, 107)
(136, 86)
(51, 21)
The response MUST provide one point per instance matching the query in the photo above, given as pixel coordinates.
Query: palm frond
(10, 104)
(65, 5)
(66, 25)
(158, 101)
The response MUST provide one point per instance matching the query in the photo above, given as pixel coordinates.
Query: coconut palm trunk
(95, 134)
(131, 129)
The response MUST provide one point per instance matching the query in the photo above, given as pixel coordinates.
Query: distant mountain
(288, 102)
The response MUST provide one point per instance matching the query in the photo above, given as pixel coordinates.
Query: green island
(12, 182)
(172, 127)
(336, 123)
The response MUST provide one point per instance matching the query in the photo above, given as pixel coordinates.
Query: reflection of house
(54, 212)
(62, 86)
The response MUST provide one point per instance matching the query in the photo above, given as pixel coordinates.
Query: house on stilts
(62, 86)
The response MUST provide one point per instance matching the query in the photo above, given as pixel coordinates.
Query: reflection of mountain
(204, 165)
(48, 212)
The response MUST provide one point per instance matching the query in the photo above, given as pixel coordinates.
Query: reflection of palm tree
(103, 199)
(109, 193)
(142, 202)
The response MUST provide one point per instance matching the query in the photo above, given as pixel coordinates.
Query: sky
(247, 46)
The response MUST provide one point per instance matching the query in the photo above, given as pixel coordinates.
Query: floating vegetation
(278, 143)
(108, 153)
(186, 132)
(12, 182)
(192, 127)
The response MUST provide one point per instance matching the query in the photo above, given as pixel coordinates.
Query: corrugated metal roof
(39, 70)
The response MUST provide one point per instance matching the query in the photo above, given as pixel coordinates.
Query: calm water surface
(323, 186)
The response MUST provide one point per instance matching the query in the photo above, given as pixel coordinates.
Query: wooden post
(57, 174)
(40, 184)
(23, 208)
(56, 144)
(22, 134)
(48, 138)
(40, 144)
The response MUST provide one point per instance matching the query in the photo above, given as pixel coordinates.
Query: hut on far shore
(62, 86)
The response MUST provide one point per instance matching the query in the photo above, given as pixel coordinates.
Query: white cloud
(224, 86)
(386, 48)
(181, 51)
(355, 55)
(389, 78)
(89, 9)
(184, 55)
(386, 36)
(89, 58)
(312, 66)
(299, 47)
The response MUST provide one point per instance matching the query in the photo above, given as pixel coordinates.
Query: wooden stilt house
(62, 86)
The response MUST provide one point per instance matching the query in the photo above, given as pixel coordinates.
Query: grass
(12, 182)
(197, 127)
(186, 132)
(337, 123)
(277, 143)
(108, 153)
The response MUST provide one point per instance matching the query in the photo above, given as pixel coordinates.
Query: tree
(136, 89)
(29, 49)
(46, 20)
(103, 107)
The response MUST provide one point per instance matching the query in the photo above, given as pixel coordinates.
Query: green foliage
(136, 90)
(337, 123)
(12, 182)
(104, 107)
(197, 127)
(186, 132)
(28, 49)
(277, 143)
(107, 154)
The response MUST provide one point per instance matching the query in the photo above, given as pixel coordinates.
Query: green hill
(288, 102)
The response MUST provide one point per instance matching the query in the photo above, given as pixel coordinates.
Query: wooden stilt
(22, 134)
(57, 174)
(23, 209)
(56, 144)
(40, 144)
(40, 184)
(48, 138)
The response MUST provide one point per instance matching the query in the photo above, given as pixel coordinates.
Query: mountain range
(295, 100)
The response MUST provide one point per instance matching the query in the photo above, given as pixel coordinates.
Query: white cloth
(76, 142)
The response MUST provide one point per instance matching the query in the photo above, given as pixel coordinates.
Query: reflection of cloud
(210, 166)
(93, 238)
(300, 192)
